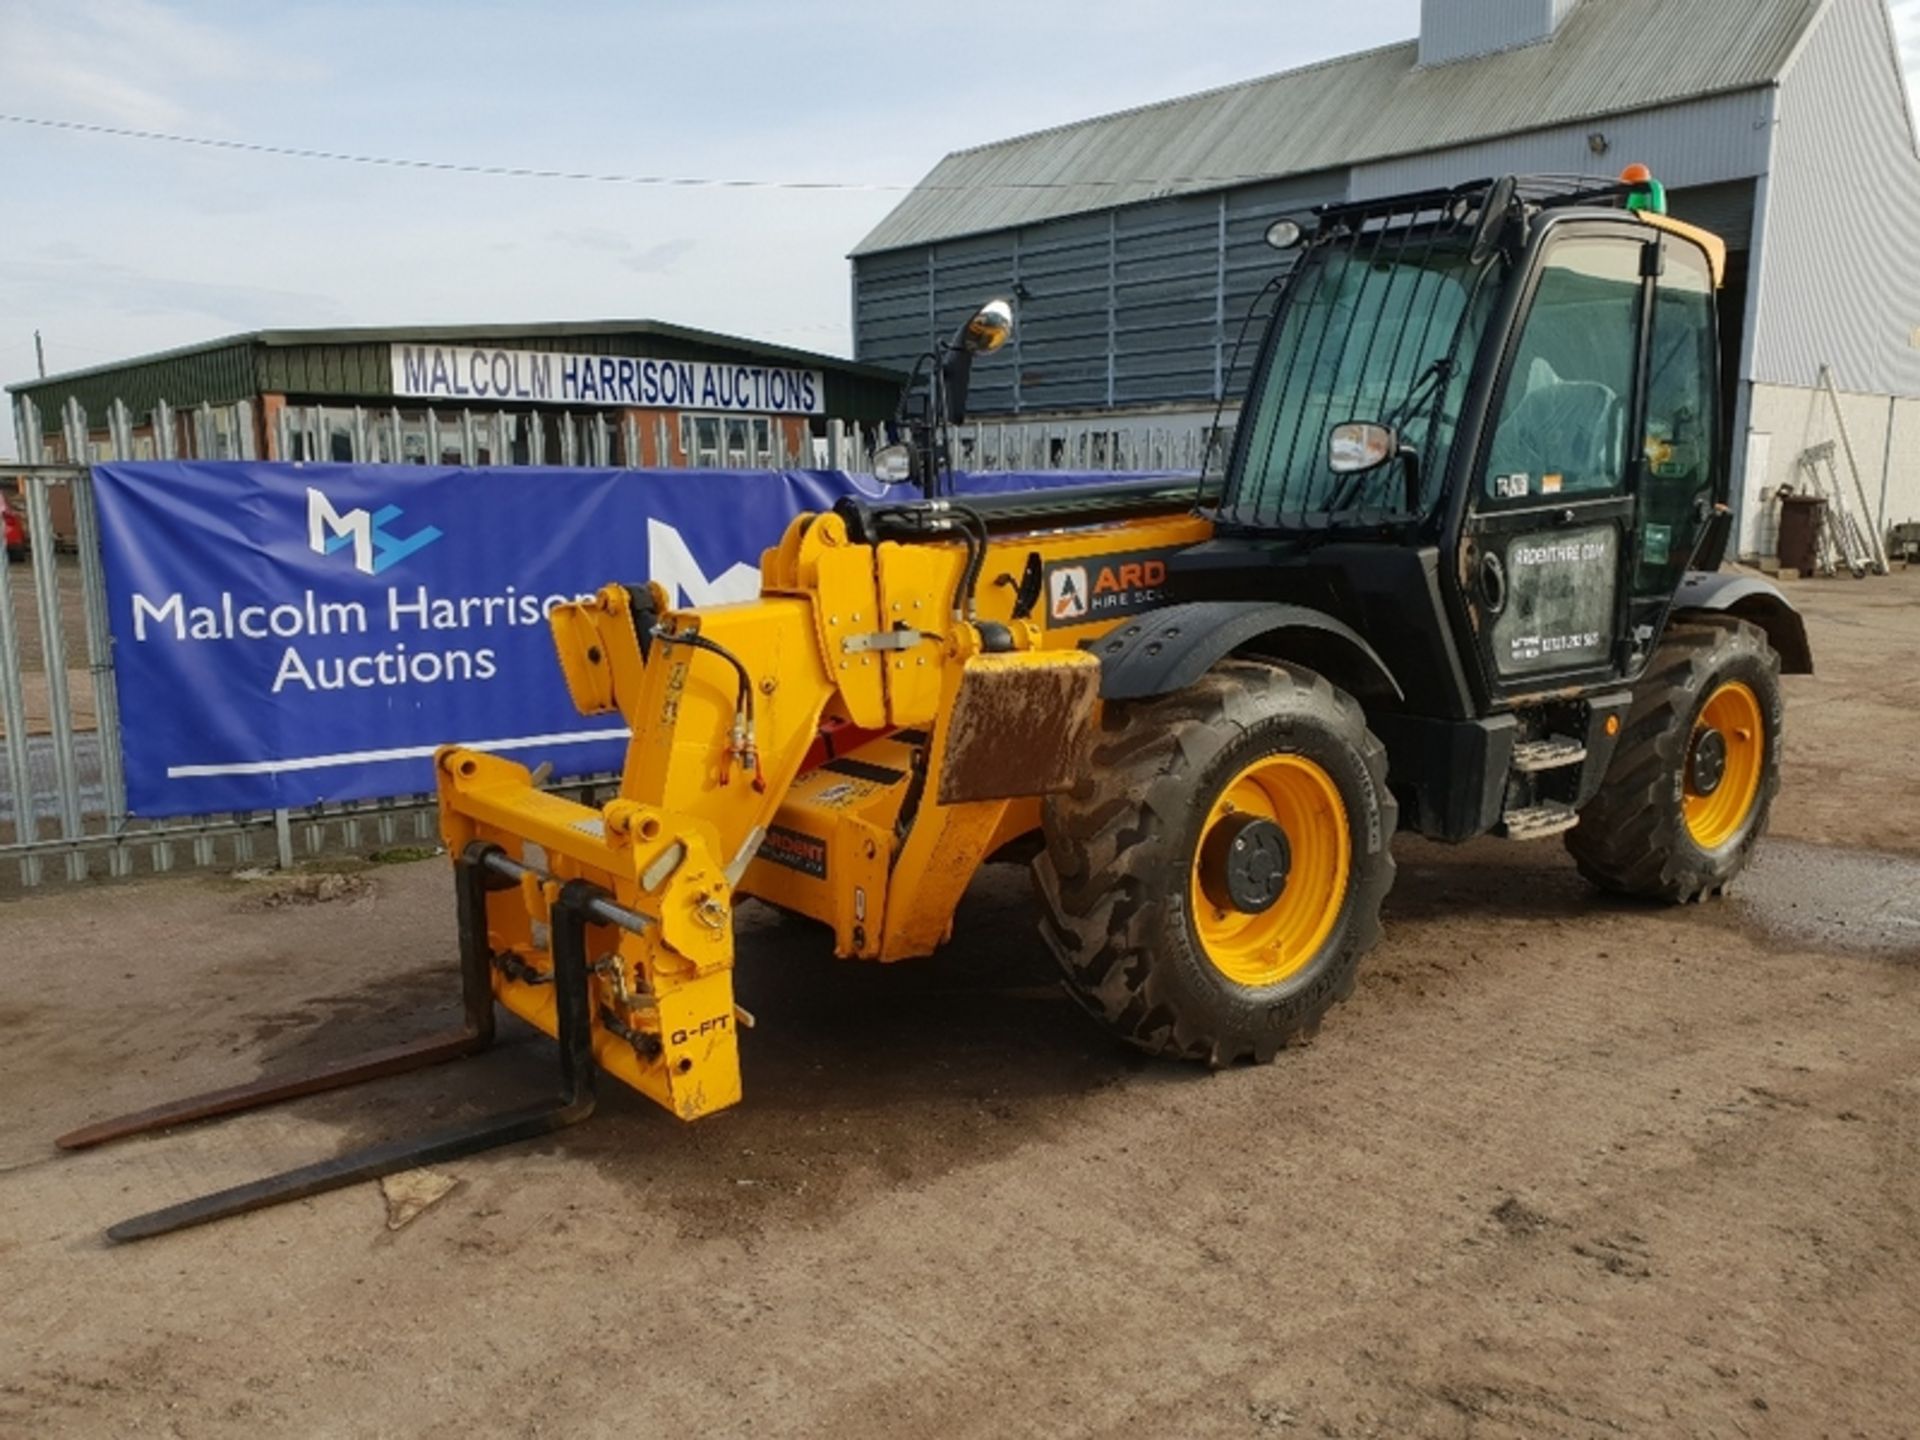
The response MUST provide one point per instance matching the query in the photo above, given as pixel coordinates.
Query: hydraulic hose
(963, 595)
(741, 744)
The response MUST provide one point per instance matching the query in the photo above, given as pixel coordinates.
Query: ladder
(1839, 540)
(1858, 541)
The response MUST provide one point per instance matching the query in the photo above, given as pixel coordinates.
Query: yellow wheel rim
(1270, 945)
(1725, 758)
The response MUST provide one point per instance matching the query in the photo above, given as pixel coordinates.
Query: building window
(226, 433)
(332, 435)
(706, 441)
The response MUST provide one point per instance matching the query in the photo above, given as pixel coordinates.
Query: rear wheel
(1691, 783)
(1210, 887)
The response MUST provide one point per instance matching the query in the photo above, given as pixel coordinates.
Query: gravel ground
(1562, 1167)
(33, 661)
(26, 613)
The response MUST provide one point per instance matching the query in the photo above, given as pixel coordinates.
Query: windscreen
(1382, 328)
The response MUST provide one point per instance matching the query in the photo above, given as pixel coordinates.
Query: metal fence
(63, 803)
(1090, 443)
(391, 435)
(466, 437)
(63, 808)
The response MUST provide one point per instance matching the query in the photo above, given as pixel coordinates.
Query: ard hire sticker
(1100, 587)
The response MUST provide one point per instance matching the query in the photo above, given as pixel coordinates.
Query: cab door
(1682, 458)
(1546, 545)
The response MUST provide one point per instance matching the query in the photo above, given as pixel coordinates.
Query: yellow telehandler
(1460, 575)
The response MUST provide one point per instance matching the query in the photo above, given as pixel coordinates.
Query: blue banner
(286, 635)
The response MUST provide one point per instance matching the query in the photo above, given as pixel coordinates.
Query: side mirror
(989, 329)
(1360, 445)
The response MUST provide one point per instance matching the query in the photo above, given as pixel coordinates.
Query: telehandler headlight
(1359, 445)
(1284, 234)
(893, 464)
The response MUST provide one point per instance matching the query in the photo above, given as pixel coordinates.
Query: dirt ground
(26, 611)
(1562, 1167)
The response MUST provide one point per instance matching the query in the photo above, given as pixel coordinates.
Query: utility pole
(40, 354)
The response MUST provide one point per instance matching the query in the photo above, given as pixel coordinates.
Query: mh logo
(374, 550)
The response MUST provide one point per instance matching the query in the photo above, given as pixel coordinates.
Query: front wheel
(1210, 887)
(1687, 794)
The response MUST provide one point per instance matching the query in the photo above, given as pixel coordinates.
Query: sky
(114, 247)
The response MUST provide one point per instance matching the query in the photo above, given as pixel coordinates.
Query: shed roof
(498, 335)
(354, 365)
(1609, 56)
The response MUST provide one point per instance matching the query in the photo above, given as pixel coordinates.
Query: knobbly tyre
(1461, 575)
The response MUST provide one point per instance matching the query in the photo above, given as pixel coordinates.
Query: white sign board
(474, 375)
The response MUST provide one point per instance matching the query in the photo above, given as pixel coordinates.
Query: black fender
(1715, 592)
(1167, 650)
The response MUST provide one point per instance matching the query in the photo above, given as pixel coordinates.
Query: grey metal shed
(1132, 241)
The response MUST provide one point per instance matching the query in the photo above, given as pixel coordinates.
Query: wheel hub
(1269, 876)
(1245, 863)
(1707, 765)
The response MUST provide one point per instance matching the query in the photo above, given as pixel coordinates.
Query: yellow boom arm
(963, 721)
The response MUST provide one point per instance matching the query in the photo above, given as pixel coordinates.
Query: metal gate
(63, 803)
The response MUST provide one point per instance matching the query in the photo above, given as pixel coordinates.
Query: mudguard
(1750, 598)
(1167, 650)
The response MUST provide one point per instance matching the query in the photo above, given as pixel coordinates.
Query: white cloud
(118, 293)
(126, 62)
(137, 247)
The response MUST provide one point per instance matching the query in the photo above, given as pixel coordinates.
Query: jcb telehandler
(1460, 575)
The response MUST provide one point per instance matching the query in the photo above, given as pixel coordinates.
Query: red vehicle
(15, 527)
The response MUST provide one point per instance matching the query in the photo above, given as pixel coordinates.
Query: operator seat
(1569, 428)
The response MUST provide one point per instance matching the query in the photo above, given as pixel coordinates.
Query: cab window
(1681, 420)
(1563, 416)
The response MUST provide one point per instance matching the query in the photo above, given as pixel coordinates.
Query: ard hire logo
(1068, 592)
(374, 549)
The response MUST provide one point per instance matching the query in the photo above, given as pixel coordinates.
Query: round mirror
(1283, 234)
(892, 464)
(1359, 445)
(989, 329)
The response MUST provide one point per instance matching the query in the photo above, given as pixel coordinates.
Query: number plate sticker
(1560, 593)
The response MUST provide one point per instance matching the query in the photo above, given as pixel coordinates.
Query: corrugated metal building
(1133, 242)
